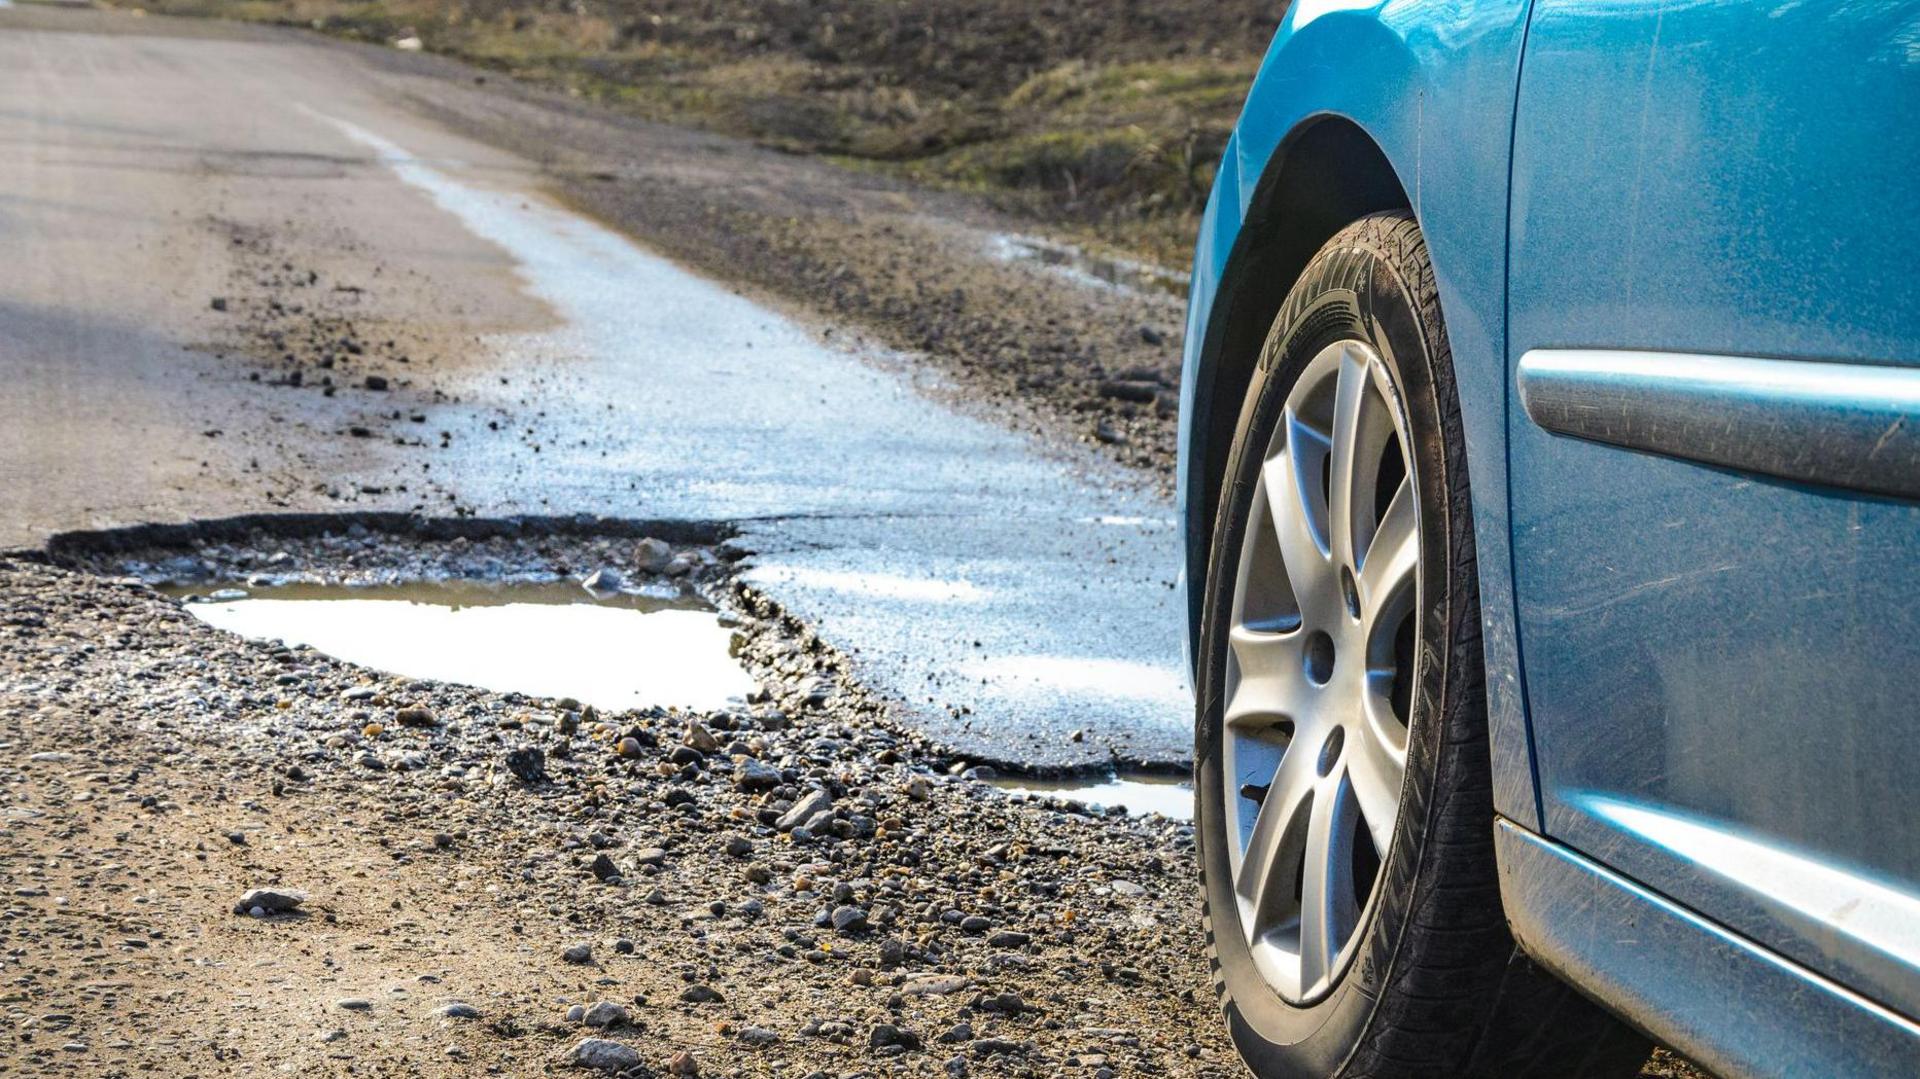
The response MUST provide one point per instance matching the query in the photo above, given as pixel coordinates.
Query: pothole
(615, 649)
(620, 615)
(448, 609)
(1136, 793)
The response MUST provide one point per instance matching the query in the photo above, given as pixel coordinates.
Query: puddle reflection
(1099, 271)
(1168, 796)
(627, 650)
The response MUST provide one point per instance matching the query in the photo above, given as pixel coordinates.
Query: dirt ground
(495, 884)
(158, 769)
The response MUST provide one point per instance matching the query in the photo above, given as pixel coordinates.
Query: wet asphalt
(1015, 595)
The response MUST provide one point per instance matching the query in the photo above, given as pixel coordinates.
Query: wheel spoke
(1353, 393)
(1266, 876)
(1327, 909)
(1292, 482)
(1376, 770)
(1272, 682)
(1393, 556)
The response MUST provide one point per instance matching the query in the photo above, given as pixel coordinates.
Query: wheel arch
(1325, 173)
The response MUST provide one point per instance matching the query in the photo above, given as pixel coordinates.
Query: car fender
(1431, 89)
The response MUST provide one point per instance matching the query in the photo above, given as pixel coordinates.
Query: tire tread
(1457, 997)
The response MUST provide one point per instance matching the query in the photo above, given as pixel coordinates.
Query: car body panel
(1432, 85)
(1715, 660)
(1726, 1003)
(1719, 664)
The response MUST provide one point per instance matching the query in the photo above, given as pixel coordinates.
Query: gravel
(179, 734)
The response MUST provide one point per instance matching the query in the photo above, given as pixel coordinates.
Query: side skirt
(1722, 1000)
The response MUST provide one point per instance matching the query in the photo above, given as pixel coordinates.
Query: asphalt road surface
(195, 213)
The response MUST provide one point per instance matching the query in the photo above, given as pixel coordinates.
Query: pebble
(604, 580)
(652, 554)
(528, 764)
(683, 1065)
(354, 1004)
(606, 1013)
(934, 985)
(260, 902)
(886, 1034)
(455, 1009)
(702, 739)
(1005, 1003)
(758, 1036)
(848, 919)
(578, 953)
(815, 802)
(605, 1055)
(754, 775)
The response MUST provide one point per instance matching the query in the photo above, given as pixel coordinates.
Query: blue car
(1551, 476)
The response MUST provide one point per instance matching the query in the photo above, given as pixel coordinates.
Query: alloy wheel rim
(1320, 667)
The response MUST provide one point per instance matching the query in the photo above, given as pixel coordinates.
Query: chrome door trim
(1849, 425)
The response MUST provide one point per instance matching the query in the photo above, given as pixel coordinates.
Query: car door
(1717, 554)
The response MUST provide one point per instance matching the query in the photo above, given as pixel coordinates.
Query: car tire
(1429, 981)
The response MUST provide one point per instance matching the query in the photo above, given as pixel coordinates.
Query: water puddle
(1100, 271)
(619, 651)
(1166, 795)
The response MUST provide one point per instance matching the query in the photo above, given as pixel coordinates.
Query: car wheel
(1344, 806)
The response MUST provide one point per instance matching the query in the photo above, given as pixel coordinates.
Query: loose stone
(604, 1055)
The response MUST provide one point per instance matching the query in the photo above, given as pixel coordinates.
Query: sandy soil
(491, 882)
(158, 769)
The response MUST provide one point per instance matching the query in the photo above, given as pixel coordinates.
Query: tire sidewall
(1347, 292)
